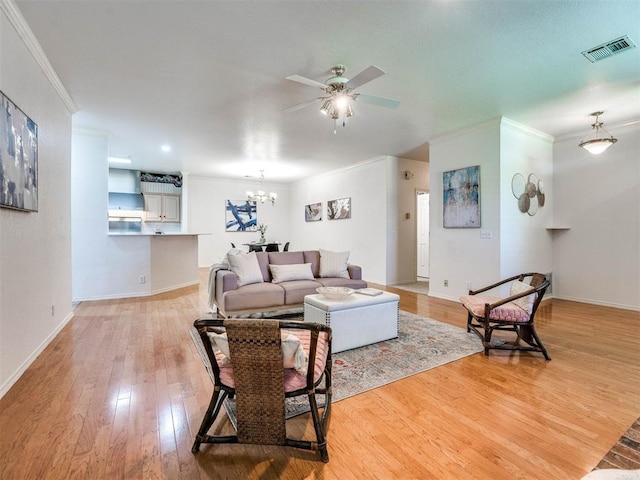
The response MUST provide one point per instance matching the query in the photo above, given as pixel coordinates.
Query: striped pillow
(334, 264)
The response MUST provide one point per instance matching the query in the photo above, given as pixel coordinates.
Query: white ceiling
(208, 77)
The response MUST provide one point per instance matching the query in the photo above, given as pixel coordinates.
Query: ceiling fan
(340, 93)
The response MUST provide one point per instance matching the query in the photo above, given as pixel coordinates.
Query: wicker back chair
(489, 313)
(255, 375)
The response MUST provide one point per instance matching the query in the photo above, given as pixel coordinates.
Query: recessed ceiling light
(120, 159)
(165, 148)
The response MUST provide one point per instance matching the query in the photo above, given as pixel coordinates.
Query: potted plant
(262, 228)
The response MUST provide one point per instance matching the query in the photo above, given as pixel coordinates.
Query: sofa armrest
(225, 280)
(355, 272)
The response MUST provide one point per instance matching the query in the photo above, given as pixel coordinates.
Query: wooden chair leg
(209, 417)
(487, 337)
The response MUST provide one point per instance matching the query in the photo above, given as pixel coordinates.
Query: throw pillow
(525, 303)
(334, 264)
(246, 267)
(296, 271)
(293, 353)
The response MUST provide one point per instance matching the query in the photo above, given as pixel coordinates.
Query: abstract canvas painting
(313, 212)
(461, 198)
(339, 209)
(18, 158)
(241, 216)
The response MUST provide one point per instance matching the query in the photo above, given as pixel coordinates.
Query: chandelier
(261, 196)
(598, 144)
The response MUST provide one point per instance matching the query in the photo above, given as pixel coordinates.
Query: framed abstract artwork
(461, 198)
(339, 209)
(241, 216)
(313, 212)
(18, 158)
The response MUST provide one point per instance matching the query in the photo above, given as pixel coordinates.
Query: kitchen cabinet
(161, 207)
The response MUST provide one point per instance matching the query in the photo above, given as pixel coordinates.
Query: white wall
(525, 243)
(459, 255)
(598, 196)
(365, 235)
(35, 247)
(103, 266)
(206, 199)
(402, 259)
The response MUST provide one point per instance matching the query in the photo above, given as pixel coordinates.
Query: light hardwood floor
(121, 391)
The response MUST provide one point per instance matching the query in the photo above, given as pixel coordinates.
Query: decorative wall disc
(517, 185)
(523, 203)
(533, 206)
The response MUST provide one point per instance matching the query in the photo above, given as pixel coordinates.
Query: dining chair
(260, 363)
(286, 247)
(272, 247)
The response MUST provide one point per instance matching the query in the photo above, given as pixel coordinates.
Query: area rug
(422, 344)
(625, 454)
(415, 287)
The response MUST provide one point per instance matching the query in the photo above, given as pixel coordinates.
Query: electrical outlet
(143, 279)
(53, 310)
(446, 283)
(468, 285)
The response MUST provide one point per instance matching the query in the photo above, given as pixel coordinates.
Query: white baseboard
(6, 386)
(621, 306)
(137, 294)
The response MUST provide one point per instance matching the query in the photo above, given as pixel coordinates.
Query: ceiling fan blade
(380, 101)
(299, 106)
(306, 81)
(365, 76)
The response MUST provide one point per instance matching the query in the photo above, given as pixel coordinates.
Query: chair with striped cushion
(261, 362)
(516, 312)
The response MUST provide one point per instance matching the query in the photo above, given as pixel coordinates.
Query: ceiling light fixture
(599, 144)
(165, 148)
(261, 196)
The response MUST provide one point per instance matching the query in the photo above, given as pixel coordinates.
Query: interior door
(423, 233)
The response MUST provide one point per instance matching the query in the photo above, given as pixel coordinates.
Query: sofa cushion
(295, 291)
(334, 264)
(246, 267)
(285, 258)
(313, 257)
(296, 271)
(292, 379)
(293, 352)
(263, 261)
(509, 312)
(257, 295)
(526, 303)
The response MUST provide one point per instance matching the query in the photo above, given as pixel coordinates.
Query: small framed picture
(313, 212)
(339, 209)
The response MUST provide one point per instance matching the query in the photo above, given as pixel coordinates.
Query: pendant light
(598, 144)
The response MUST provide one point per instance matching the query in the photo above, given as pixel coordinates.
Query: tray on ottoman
(357, 320)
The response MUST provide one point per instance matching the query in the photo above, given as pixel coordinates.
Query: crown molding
(507, 122)
(91, 132)
(13, 14)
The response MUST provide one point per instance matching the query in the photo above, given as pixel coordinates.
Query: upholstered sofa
(275, 281)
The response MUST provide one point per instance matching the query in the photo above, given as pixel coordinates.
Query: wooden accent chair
(256, 373)
(514, 313)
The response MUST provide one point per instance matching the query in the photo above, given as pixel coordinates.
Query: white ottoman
(357, 320)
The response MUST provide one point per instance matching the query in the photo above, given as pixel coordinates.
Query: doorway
(422, 228)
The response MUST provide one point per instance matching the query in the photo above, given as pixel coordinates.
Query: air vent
(610, 48)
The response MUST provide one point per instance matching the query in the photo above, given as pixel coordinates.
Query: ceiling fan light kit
(340, 95)
(598, 144)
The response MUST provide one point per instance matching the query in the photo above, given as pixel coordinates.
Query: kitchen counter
(163, 234)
